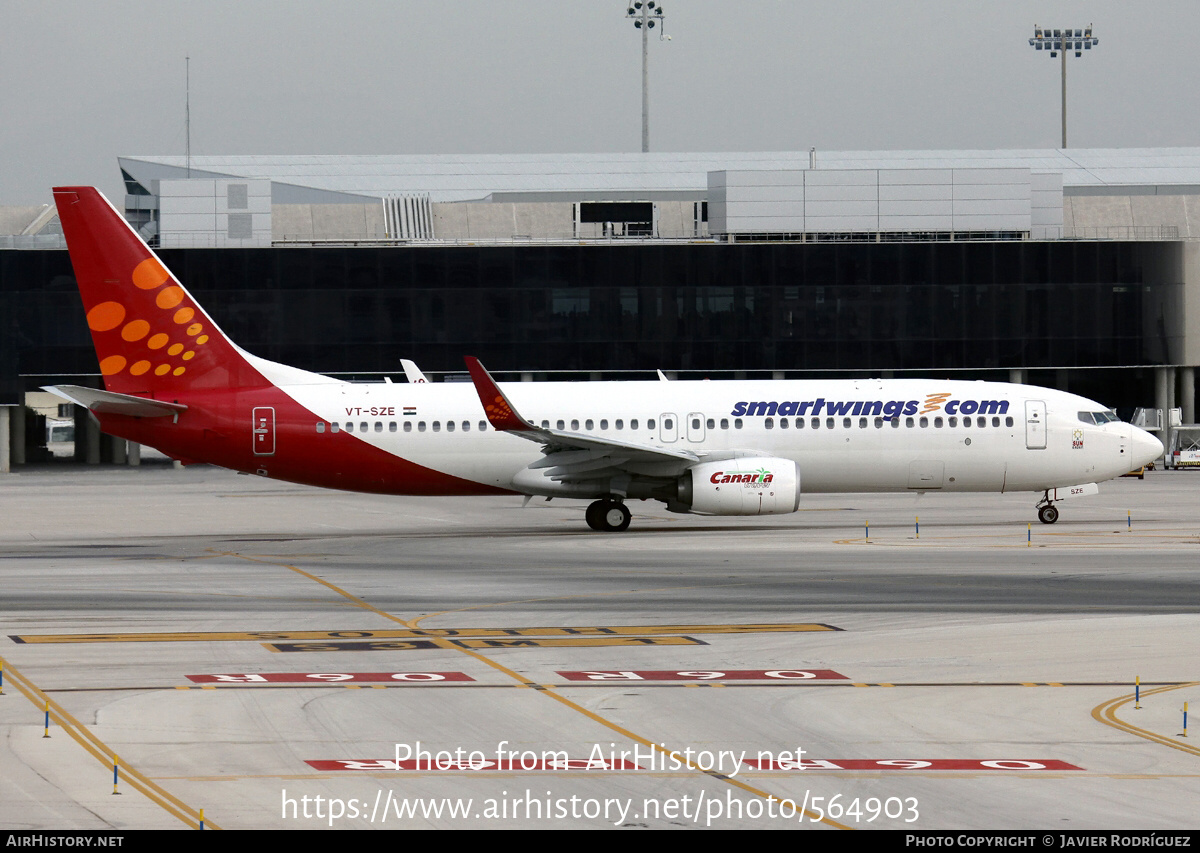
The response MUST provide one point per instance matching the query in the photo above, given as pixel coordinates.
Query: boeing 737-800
(174, 381)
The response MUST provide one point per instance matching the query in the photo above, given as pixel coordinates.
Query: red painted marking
(1002, 764)
(703, 675)
(328, 677)
(447, 764)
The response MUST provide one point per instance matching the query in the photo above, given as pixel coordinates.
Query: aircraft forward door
(262, 430)
(1035, 424)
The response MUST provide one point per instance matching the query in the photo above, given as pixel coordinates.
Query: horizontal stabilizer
(112, 403)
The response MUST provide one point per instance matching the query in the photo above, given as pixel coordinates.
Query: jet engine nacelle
(752, 485)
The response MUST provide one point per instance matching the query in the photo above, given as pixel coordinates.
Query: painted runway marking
(805, 765)
(328, 677)
(433, 633)
(472, 764)
(499, 643)
(700, 675)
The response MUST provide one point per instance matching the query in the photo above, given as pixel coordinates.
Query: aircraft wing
(573, 457)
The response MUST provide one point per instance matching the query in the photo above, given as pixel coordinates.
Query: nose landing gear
(608, 515)
(1047, 511)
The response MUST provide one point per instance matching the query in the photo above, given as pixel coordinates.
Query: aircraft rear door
(262, 430)
(1035, 424)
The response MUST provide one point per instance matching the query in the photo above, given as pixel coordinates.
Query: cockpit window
(1107, 417)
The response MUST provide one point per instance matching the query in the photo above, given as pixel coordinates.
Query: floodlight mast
(1057, 41)
(645, 15)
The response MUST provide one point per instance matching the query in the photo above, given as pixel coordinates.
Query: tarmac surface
(287, 657)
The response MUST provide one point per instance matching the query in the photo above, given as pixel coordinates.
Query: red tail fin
(150, 335)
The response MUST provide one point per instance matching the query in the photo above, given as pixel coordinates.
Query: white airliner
(174, 381)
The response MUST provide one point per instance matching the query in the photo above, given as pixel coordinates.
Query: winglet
(500, 412)
(412, 372)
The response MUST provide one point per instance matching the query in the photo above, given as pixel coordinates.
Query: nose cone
(1146, 447)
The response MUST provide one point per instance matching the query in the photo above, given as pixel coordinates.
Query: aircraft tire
(1048, 514)
(617, 517)
(595, 515)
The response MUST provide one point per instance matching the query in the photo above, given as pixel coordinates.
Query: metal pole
(645, 80)
(1064, 94)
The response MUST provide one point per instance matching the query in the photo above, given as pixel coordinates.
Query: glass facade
(693, 307)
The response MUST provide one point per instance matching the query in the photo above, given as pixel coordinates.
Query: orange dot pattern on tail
(152, 333)
(106, 316)
(500, 409)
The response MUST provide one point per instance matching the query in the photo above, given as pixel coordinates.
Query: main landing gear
(1047, 511)
(608, 515)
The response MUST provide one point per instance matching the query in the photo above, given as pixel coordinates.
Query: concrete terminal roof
(462, 177)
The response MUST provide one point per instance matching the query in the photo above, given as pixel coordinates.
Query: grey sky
(82, 82)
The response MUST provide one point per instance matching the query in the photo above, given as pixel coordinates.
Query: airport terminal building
(1075, 269)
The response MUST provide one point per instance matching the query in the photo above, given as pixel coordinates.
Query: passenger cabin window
(937, 423)
(603, 423)
(769, 423)
(561, 425)
(620, 423)
(391, 426)
(320, 427)
(333, 427)
(649, 423)
(724, 423)
(589, 425)
(449, 426)
(829, 423)
(737, 423)
(574, 423)
(408, 426)
(482, 426)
